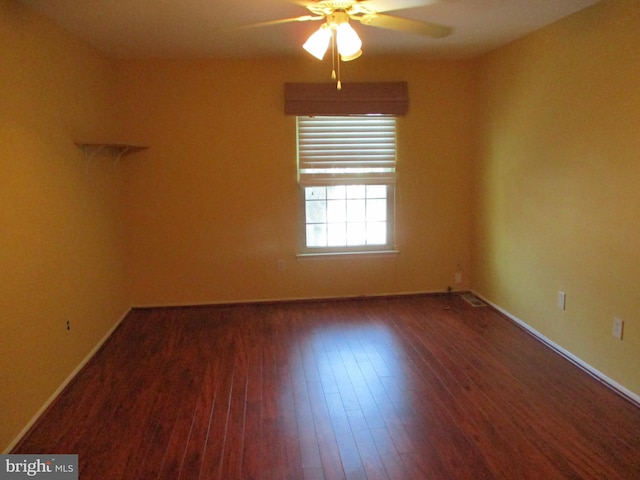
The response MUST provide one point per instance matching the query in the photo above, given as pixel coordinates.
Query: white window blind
(341, 150)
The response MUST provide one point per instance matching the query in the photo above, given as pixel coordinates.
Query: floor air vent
(472, 300)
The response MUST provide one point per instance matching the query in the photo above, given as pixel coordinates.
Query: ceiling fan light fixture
(318, 43)
(348, 58)
(349, 43)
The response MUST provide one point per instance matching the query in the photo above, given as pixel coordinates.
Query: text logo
(50, 467)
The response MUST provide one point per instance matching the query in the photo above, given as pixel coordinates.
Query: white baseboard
(259, 301)
(615, 386)
(63, 385)
(598, 375)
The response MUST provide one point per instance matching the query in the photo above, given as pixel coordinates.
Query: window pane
(333, 220)
(336, 192)
(336, 234)
(356, 211)
(376, 233)
(316, 211)
(315, 193)
(336, 211)
(376, 191)
(376, 210)
(356, 191)
(316, 236)
(356, 233)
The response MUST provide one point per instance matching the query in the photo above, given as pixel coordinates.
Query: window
(346, 172)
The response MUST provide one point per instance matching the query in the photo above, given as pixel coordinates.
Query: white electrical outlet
(562, 300)
(618, 326)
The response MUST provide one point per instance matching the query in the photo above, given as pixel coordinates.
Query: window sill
(328, 255)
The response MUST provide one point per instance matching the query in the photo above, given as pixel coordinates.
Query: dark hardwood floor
(420, 387)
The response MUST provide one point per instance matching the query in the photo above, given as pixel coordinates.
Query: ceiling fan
(336, 31)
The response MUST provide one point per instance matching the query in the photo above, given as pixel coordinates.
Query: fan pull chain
(333, 62)
(333, 56)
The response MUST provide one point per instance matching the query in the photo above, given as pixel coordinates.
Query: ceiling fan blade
(304, 18)
(404, 25)
(390, 5)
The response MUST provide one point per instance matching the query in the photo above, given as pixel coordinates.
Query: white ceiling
(209, 28)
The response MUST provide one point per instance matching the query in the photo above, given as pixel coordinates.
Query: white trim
(360, 253)
(330, 179)
(259, 301)
(597, 374)
(64, 384)
(615, 386)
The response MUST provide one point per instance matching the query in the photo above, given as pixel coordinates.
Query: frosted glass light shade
(318, 42)
(349, 44)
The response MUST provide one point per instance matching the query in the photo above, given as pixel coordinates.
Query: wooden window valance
(391, 98)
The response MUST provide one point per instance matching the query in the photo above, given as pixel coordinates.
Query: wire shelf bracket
(115, 150)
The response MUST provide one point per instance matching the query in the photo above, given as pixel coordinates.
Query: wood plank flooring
(419, 387)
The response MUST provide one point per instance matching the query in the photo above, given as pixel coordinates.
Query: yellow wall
(558, 184)
(525, 160)
(61, 238)
(213, 203)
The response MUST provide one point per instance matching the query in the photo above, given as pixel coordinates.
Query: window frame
(389, 246)
(389, 183)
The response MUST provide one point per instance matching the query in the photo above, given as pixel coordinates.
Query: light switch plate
(618, 326)
(562, 300)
